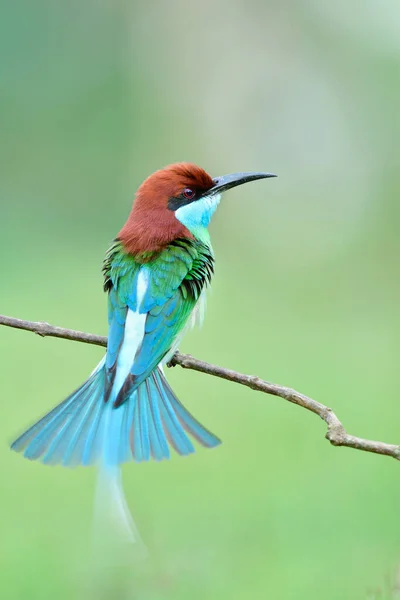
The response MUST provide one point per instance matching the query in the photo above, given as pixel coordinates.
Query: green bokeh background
(93, 97)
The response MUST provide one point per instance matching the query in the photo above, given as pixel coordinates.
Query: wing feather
(174, 281)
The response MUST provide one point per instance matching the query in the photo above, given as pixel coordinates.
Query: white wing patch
(133, 334)
(135, 328)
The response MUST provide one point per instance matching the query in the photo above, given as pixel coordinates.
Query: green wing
(174, 281)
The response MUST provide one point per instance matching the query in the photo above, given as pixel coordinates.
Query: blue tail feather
(142, 402)
(173, 429)
(135, 438)
(189, 423)
(35, 440)
(124, 451)
(157, 420)
(109, 433)
(74, 450)
(72, 429)
(84, 429)
(45, 438)
(33, 433)
(157, 451)
(91, 443)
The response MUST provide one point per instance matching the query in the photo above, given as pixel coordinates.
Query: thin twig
(336, 433)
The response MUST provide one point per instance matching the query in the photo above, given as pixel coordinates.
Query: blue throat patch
(196, 216)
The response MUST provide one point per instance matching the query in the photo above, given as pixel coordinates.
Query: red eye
(189, 194)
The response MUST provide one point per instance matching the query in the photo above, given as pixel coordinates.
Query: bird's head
(174, 202)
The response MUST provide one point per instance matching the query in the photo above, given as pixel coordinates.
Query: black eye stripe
(187, 196)
(175, 203)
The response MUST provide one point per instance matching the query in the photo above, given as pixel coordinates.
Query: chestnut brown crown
(151, 225)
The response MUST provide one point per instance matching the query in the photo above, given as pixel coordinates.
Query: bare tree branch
(336, 433)
(46, 330)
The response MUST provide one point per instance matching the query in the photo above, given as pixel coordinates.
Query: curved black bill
(226, 182)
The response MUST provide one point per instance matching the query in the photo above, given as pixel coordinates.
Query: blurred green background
(94, 96)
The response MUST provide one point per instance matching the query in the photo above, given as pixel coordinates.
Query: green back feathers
(165, 289)
(184, 264)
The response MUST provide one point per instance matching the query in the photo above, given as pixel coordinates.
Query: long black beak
(226, 182)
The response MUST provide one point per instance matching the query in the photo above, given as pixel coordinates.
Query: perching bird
(156, 273)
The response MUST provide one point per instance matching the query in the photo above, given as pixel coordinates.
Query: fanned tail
(67, 435)
(160, 419)
(84, 429)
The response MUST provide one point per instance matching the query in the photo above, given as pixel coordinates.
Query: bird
(156, 273)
